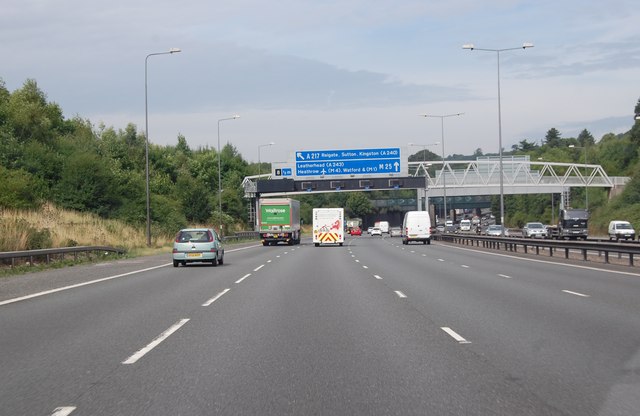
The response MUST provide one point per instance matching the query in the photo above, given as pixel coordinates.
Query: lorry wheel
(340, 244)
(317, 244)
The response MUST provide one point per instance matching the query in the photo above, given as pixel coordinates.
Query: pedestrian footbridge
(519, 176)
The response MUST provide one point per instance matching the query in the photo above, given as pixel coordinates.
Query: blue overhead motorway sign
(348, 162)
(347, 167)
(356, 154)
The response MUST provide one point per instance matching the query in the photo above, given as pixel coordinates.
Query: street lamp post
(424, 167)
(497, 51)
(444, 180)
(220, 173)
(146, 133)
(586, 189)
(259, 147)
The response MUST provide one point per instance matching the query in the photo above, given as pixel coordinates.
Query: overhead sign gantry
(318, 164)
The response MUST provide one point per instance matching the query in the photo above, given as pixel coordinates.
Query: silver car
(534, 230)
(496, 231)
(197, 245)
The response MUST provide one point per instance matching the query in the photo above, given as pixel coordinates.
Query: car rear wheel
(221, 260)
(176, 263)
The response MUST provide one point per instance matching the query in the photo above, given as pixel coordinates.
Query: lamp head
(527, 45)
(175, 50)
(469, 46)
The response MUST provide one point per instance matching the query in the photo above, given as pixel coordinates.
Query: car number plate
(192, 255)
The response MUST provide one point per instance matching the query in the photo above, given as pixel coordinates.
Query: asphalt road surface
(370, 328)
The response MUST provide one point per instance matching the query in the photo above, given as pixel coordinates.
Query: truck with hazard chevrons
(328, 226)
(279, 221)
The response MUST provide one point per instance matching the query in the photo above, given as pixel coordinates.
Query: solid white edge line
(400, 294)
(575, 266)
(455, 335)
(243, 277)
(63, 411)
(166, 334)
(258, 268)
(104, 279)
(60, 289)
(505, 276)
(464, 266)
(215, 298)
(576, 293)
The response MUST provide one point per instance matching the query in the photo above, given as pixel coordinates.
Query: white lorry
(328, 226)
(279, 221)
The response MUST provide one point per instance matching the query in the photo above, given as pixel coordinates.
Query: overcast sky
(313, 75)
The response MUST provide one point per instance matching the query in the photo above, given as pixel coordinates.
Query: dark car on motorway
(202, 245)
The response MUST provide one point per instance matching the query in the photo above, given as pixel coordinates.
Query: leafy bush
(38, 239)
(18, 189)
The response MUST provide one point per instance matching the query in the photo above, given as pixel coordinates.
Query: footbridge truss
(482, 177)
(460, 178)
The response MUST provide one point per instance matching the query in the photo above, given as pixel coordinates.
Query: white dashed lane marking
(216, 297)
(455, 335)
(576, 294)
(63, 411)
(166, 334)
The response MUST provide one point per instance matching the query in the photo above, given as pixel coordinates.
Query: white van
(465, 225)
(621, 229)
(416, 226)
